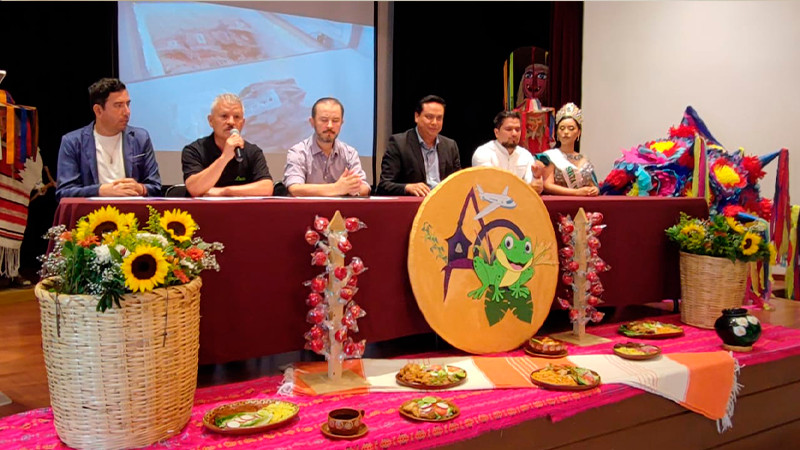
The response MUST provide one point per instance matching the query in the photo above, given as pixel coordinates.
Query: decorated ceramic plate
(650, 329)
(250, 416)
(422, 376)
(565, 378)
(429, 409)
(545, 347)
(636, 351)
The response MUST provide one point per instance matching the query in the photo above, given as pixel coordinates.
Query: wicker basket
(125, 377)
(709, 285)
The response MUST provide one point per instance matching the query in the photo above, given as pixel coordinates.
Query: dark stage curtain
(566, 37)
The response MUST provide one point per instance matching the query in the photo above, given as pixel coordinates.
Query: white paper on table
(226, 199)
(380, 373)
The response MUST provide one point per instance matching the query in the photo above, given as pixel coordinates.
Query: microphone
(238, 150)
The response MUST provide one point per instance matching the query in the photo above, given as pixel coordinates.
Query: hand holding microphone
(238, 150)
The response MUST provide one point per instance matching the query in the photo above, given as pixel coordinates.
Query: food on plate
(429, 408)
(275, 412)
(636, 349)
(561, 375)
(546, 345)
(431, 375)
(648, 328)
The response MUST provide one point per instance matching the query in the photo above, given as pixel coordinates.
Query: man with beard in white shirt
(505, 153)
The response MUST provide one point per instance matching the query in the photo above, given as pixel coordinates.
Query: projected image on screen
(176, 57)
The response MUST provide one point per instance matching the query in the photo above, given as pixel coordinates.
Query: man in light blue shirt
(322, 165)
(420, 158)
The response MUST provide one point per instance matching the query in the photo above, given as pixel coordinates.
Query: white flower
(161, 240)
(121, 249)
(741, 321)
(752, 319)
(102, 254)
(739, 331)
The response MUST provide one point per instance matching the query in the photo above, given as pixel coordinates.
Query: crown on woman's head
(571, 111)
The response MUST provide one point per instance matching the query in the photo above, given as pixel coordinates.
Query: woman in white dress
(569, 172)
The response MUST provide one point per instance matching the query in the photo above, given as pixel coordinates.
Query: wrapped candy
(597, 289)
(340, 273)
(600, 265)
(573, 266)
(341, 334)
(567, 252)
(563, 303)
(316, 332)
(353, 224)
(317, 284)
(597, 229)
(357, 349)
(593, 243)
(596, 316)
(316, 315)
(567, 279)
(344, 245)
(321, 224)
(355, 311)
(573, 314)
(357, 265)
(315, 345)
(319, 258)
(592, 277)
(352, 281)
(312, 237)
(592, 300)
(314, 299)
(350, 323)
(595, 218)
(347, 293)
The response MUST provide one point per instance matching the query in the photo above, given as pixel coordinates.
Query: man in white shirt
(107, 158)
(505, 153)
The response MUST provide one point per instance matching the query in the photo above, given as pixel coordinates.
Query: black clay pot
(738, 329)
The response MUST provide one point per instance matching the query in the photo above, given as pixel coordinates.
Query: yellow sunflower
(773, 254)
(145, 268)
(179, 224)
(693, 230)
(735, 225)
(104, 220)
(750, 243)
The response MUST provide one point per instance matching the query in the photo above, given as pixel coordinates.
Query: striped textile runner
(702, 382)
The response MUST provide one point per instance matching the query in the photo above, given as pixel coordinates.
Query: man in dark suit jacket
(123, 165)
(419, 159)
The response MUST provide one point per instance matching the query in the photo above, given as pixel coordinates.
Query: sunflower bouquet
(723, 236)
(107, 255)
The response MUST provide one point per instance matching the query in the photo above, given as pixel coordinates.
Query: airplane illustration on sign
(495, 201)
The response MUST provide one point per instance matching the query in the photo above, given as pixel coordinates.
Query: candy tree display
(581, 266)
(334, 313)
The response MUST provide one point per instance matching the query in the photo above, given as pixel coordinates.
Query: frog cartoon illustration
(510, 268)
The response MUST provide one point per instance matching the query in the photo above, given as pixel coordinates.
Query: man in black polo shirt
(209, 163)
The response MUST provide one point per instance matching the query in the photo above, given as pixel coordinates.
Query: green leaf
(114, 254)
(495, 311)
(522, 307)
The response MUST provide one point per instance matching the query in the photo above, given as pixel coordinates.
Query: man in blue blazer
(419, 159)
(107, 158)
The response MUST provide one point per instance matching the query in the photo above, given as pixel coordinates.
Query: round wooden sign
(482, 259)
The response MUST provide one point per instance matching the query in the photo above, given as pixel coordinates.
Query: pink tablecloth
(481, 411)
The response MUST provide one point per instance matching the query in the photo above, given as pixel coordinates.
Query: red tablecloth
(481, 411)
(255, 305)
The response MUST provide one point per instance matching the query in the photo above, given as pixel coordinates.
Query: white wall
(737, 63)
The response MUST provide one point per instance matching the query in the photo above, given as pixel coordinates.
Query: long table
(255, 305)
